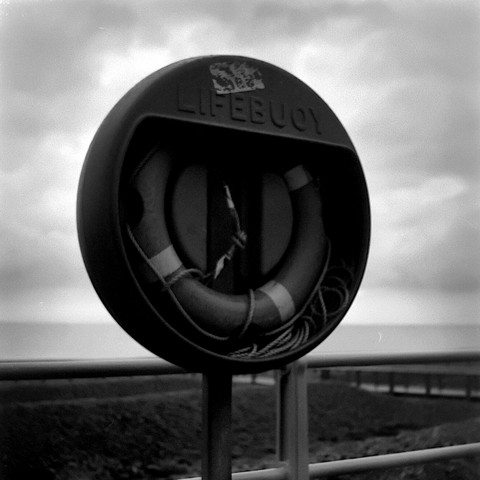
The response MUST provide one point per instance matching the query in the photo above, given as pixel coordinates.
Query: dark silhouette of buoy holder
(223, 219)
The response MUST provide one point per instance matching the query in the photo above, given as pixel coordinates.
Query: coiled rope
(316, 316)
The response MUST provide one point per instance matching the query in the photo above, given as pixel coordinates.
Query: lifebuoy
(224, 315)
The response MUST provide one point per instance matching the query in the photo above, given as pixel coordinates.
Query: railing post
(292, 419)
(358, 378)
(440, 383)
(468, 387)
(217, 426)
(428, 385)
(391, 381)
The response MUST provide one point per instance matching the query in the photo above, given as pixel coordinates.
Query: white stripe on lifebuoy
(297, 178)
(281, 297)
(166, 262)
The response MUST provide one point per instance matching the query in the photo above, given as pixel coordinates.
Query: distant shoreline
(42, 341)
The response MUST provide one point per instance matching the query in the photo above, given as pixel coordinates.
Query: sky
(403, 78)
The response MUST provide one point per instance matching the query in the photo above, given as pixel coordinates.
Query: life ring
(224, 315)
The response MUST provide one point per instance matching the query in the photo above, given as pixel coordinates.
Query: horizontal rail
(392, 460)
(58, 369)
(51, 369)
(362, 359)
(364, 464)
(433, 370)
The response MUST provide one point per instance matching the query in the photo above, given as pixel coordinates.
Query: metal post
(292, 420)
(358, 379)
(440, 383)
(391, 381)
(468, 387)
(217, 426)
(428, 385)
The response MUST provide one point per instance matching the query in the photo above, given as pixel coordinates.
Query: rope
(239, 237)
(176, 276)
(317, 315)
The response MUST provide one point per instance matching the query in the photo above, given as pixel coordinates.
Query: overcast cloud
(403, 77)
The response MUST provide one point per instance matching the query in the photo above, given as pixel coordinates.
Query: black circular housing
(230, 117)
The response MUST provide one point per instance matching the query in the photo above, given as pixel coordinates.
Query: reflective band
(297, 178)
(281, 297)
(166, 262)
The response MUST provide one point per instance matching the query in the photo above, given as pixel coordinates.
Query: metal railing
(292, 416)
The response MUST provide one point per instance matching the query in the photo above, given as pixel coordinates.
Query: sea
(20, 341)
